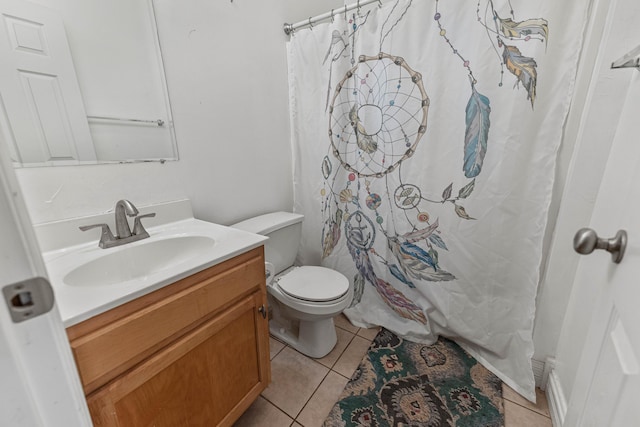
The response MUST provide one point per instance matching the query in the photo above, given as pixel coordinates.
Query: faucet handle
(106, 236)
(138, 228)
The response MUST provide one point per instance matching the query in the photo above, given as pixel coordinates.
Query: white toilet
(304, 299)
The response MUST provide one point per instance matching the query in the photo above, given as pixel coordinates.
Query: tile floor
(303, 390)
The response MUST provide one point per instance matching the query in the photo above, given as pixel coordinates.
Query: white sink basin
(88, 280)
(138, 262)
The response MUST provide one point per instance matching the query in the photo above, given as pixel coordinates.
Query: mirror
(118, 110)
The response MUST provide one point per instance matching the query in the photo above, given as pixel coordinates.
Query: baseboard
(549, 365)
(556, 399)
(538, 372)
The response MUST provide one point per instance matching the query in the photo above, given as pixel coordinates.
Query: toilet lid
(314, 284)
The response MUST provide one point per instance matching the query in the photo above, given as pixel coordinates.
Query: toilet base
(315, 339)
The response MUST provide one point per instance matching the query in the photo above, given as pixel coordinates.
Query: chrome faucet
(124, 235)
(122, 224)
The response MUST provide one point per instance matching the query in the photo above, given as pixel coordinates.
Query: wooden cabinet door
(208, 377)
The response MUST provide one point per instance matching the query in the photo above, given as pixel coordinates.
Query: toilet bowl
(303, 299)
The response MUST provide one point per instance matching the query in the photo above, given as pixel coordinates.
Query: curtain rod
(290, 28)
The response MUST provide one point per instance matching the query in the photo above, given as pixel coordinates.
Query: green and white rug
(403, 384)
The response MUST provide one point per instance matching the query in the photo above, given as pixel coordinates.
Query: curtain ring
(345, 12)
(358, 6)
(310, 24)
(332, 19)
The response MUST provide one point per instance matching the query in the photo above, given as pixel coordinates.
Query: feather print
(364, 141)
(395, 271)
(437, 240)
(336, 38)
(405, 193)
(332, 236)
(424, 233)
(523, 68)
(467, 190)
(514, 29)
(417, 263)
(358, 289)
(326, 105)
(416, 257)
(476, 134)
(395, 299)
(461, 212)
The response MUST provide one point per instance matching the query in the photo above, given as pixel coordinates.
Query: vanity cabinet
(192, 353)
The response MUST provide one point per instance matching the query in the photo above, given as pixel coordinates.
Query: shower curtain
(425, 135)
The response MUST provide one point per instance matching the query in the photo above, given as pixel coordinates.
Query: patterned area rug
(404, 384)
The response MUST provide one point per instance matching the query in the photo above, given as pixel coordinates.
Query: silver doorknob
(586, 241)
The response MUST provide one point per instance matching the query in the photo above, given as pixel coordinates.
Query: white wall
(227, 74)
(578, 172)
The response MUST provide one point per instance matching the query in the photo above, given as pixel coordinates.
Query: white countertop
(80, 302)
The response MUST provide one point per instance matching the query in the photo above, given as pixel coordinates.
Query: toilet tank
(284, 230)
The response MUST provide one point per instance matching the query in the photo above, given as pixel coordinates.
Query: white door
(39, 384)
(40, 101)
(606, 392)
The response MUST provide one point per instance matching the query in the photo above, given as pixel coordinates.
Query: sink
(139, 261)
(88, 280)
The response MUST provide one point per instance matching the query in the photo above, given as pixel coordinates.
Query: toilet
(303, 299)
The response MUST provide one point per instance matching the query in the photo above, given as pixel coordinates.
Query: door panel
(41, 97)
(26, 36)
(46, 102)
(615, 369)
(609, 373)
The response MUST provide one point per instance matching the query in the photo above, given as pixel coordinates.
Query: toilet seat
(313, 284)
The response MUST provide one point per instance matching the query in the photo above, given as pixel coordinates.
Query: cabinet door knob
(262, 309)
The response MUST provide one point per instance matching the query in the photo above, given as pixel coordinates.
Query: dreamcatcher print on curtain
(425, 134)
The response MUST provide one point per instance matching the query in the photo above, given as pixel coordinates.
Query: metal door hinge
(263, 310)
(28, 299)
